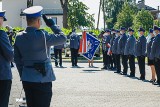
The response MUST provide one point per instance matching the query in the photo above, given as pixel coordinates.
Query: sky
(94, 6)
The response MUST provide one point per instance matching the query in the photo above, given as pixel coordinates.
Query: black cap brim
(4, 19)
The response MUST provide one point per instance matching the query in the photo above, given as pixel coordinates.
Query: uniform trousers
(38, 94)
(5, 88)
(157, 67)
(106, 59)
(114, 60)
(58, 52)
(74, 55)
(125, 63)
(118, 62)
(141, 63)
(132, 64)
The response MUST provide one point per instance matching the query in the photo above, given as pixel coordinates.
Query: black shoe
(142, 78)
(152, 81)
(131, 75)
(156, 83)
(117, 72)
(56, 66)
(104, 67)
(123, 73)
(61, 66)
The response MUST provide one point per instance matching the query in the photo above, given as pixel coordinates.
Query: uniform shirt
(155, 49)
(149, 45)
(6, 56)
(30, 48)
(112, 40)
(74, 41)
(141, 46)
(121, 44)
(105, 42)
(130, 46)
(115, 45)
(59, 47)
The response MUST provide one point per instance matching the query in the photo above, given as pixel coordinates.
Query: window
(29, 3)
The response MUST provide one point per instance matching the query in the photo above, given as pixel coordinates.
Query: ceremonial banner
(89, 45)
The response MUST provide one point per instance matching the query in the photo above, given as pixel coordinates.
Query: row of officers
(117, 46)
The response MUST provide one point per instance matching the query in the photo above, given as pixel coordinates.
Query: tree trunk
(64, 4)
(65, 15)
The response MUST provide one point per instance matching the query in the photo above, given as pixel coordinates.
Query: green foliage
(156, 22)
(18, 29)
(95, 31)
(48, 29)
(143, 19)
(112, 9)
(66, 31)
(78, 16)
(126, 16)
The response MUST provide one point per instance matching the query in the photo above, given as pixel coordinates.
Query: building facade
(16, 18)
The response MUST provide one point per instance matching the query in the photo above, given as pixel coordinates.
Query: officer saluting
(155, 53)
(141, 53)
(6, 56)
(74, 47)
(32, 57)
(130, 51)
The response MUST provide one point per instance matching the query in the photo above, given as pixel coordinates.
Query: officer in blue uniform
(155, 53)
(6, 56)
(130, 51)
(116, 51)
(151, 61)
(141, 52)
(105, 47)
(121, 46)
(74, 47)
(31, 55)
(112, 56)
(58, 52)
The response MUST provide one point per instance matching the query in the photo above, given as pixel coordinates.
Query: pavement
(93, 87)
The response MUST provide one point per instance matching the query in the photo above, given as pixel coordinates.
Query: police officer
(31, 51)
(116, 51)
(121, 46)
(112, 56)
(11, 35)
(74, 47)
(141, 52)
(155, 53)
(6, 56)
(150, 61)
(130, 51)
(58, 52)
(105, 47)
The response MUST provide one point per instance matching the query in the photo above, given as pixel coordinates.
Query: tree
(64, 5)
(112, 9)
(143, 19)
(126, 16)
(78, 16)
(75, 15)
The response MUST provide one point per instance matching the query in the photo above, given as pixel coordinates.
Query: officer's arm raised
(54, 39)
